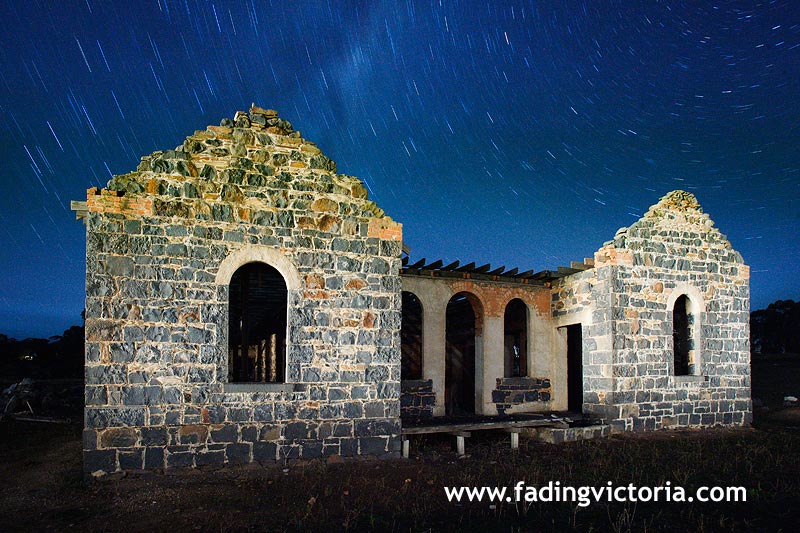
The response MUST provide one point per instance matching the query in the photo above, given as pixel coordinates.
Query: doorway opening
(574, 368)
(463, 341)
(411, 338)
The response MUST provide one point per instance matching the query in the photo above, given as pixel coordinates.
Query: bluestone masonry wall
(162, 245)
(626, 307)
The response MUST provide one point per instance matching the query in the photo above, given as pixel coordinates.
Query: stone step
(559, 435)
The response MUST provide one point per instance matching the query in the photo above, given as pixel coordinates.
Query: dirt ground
(42, 485)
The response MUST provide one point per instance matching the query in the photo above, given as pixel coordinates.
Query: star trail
(516, 133)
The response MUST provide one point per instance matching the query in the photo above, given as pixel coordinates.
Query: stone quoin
(245, 302)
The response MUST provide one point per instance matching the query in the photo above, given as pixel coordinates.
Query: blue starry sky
(518, 133)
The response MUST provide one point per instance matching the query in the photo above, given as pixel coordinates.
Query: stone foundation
(417, 399)
(561, 435)
(514, 394)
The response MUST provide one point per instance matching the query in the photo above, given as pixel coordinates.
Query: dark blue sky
(516, 133)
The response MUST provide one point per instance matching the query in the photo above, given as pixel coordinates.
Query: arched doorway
(411, 338)
(515, 334)
(464, 325)
(257, 325)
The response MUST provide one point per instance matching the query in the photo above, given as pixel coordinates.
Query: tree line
(776, 329)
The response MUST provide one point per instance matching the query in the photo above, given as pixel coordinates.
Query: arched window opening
(411, 337)
(516, 339)
(463, 338)
(257, 325)
(681, 335)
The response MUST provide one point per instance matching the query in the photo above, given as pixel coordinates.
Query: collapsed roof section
(487, 273)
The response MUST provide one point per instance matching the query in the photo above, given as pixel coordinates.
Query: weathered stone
(119, 266)
(118, 438)
(324, 205)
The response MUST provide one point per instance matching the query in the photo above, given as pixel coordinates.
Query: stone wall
(164, 242)
(585, 298)
(417, 399)
(515, 394)
(162, 245)
(627, 304)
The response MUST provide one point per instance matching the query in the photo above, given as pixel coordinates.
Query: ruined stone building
(245, 302)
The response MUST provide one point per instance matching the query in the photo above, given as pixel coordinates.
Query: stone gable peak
(253, 154)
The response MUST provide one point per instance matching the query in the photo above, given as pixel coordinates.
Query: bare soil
(42, 486)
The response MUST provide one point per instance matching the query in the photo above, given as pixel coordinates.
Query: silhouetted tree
(776, 329)
(60, 356)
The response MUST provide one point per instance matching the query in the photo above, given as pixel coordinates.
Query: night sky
(518, 133)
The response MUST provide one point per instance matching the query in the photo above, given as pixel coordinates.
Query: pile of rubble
(50, 400)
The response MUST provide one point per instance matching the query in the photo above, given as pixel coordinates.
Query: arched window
(516, 339)
(257, 325)
(682, 322)
(411, 337)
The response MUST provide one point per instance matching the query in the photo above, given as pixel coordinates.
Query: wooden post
(460, 436)
(273, 358)
(406, 446)
(514, 440)
(244, 326)
(262, 354)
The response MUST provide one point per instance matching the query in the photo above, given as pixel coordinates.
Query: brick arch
(477, 303)
(464, 356)
(691, 292)
(422, 303)
(495, 299)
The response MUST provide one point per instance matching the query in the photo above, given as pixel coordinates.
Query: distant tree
(60, 356)
(776, 329)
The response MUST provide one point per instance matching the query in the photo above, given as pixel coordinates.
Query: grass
(43, 487)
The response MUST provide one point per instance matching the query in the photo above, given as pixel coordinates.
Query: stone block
(311, 449)
(154, 436)
(265, 451)
(154, 458)
(182, 457)
(348, 447)
(298, 431)
(373, 445)
(376, 427)
(210, 458)
(118, 438)
(105, 460)
(131, 459)
(225, 433)
(114, 417)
